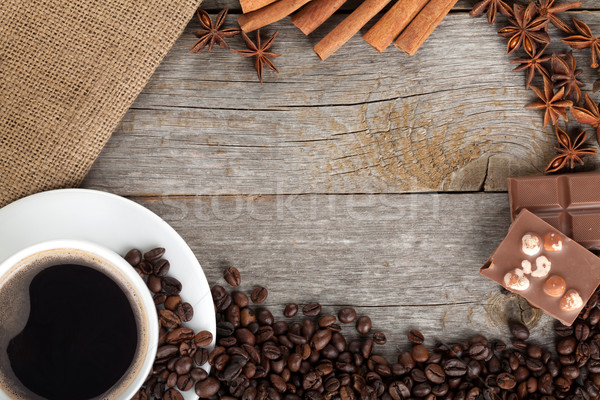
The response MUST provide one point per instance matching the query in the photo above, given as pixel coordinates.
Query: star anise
(564, 74)
(552, 103)
(547, 9)
(584, 40)
(212, 34)
(492, 6)
(589, 115)
(259, 51)
(526, 29)
(532, 64)
(570, 153)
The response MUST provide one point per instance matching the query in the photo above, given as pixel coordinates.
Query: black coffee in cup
(81, 335)
(72, 327)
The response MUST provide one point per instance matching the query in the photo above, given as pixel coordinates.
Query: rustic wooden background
(372, 180)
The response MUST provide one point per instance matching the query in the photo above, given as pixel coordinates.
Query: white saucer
(111, 221)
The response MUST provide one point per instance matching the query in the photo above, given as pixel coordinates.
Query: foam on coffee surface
(15, 310)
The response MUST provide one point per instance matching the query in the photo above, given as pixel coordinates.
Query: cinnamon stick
(383, 33)
(348, 27)
(269, 14)
(423, 25)
(251, 5)
(315, 13)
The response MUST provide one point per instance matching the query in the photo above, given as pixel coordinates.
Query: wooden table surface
(372, 180)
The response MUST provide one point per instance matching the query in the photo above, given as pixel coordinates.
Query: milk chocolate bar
(569, 202)
(550, 270)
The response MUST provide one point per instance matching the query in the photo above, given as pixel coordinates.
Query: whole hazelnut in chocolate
(555, 286)
(531, 244)
(553, 242)
(515, 280)
(542, 267)
(571, 301)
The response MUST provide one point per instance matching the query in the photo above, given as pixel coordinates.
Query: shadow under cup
(95, 361)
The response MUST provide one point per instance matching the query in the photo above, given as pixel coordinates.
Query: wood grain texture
(462, 5)
(409, 261)
(451, 118)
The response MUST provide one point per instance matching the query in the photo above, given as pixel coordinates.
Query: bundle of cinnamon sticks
(408, 22)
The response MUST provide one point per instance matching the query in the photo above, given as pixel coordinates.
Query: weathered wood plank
(462, 5)
(449, 119)
(407, 260)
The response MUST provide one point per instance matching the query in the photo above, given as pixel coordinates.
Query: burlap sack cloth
(69, 69)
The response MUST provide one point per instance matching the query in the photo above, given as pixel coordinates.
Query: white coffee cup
(17, 272)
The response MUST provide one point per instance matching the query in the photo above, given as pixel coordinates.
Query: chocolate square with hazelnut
(550, 270)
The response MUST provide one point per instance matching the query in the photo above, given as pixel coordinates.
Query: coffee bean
(416, 337)
(259, 295)
(320, 339)
(518, 330)
(161, 268)
(168, 319)
(264, 317)
(566, 345)
(332, 384)
(225, 328)
(184, 365)
(185, 312)
(399, 391)
(312, 380)
(290, 310)
(207, 388)
(172, 302)
(201, 357)
(506, 381)
(455, 367)
(154, 254)
(171, 285)
(479, 351)
(240, 299)
(198, 374)
(327, 320)
(172, 394)
(379, 338)
(238, 386)
(420, 353)
(562, 330)
(180, 335)
(435, 373)
(133, 257)
(347, 315)
(188, 348)
(232, 276)
(421, 390)
(581, 331)
(203, 338)
(519, 344)
(154, 283)
(159, 298)
(264, 333)
(311, 309)
(218, 292)
(166, 352)
(172, 380)
(363, 324)
(185, 383)
(146, 267)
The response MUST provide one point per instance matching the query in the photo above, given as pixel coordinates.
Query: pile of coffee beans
(256, 357)
(181, 351)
